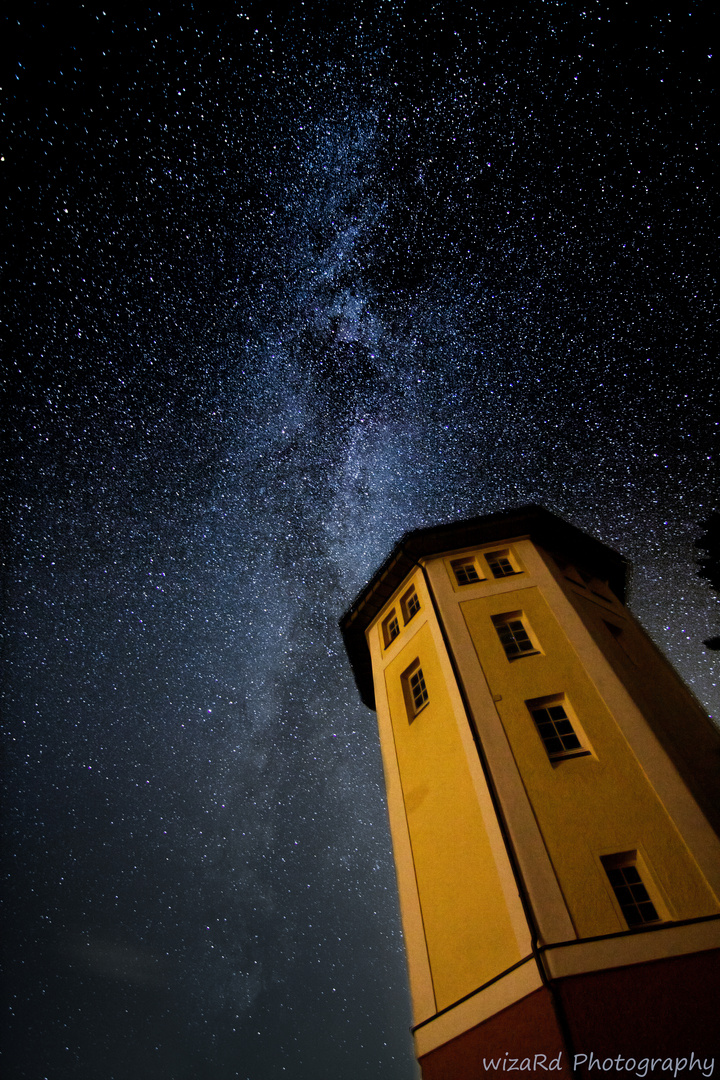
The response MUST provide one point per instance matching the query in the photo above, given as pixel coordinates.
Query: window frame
(410, 604)
(504, 619)
(411, 701)
(555, 701)
(633, 859)
(506, 554)
(621, 639)
(387, 636)
(458, 567)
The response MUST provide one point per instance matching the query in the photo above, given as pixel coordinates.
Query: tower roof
(533, 522)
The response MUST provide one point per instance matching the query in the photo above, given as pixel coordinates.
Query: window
(418, 690)
(500, 564)
(630, 892)
(415, 690)
(618, 634)
(514, 636)
(585, 580)
(555, 727)
(410, 604)
(465, 571)
(390, 628)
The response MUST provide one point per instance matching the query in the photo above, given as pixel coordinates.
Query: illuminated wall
(550, 788)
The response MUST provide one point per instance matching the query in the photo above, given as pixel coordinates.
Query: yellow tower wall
(504, 842)
(586, 806)
(680, 724)
(472, 922)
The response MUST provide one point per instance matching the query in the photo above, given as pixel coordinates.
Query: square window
(514, 636)
(466, 572)
(501, 564)
(410, 604)
(390, 628)
(630, 891)
(556, 728)
(414, 689)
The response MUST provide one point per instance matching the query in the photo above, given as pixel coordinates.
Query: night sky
(278, 288)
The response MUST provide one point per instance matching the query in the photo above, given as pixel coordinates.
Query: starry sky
(280, 285)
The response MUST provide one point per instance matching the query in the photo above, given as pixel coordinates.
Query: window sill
(557, 759)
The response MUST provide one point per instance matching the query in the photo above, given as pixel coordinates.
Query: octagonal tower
(552, 789)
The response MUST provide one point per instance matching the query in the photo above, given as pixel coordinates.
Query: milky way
(280, 288)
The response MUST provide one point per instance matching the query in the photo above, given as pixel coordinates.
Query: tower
(552, 789)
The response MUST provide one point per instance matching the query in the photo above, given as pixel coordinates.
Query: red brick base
(667, 1008)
